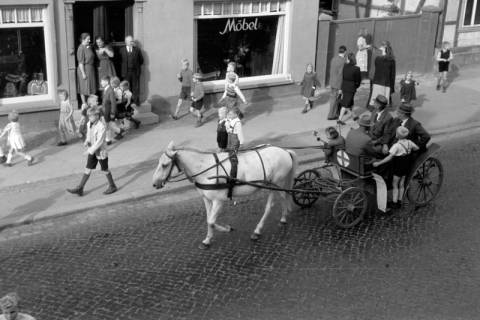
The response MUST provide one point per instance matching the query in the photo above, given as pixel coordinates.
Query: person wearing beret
(416, 132)
(381, 120)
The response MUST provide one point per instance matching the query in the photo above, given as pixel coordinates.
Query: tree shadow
(421, 98)
(265, 104)
(36, 205)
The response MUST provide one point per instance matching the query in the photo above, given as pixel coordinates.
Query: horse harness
(232, 180)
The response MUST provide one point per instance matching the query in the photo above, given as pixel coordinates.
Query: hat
(402, 132)
(406, 108)
(365, 121)
(382, 100)
(9, 301)
(197, 76)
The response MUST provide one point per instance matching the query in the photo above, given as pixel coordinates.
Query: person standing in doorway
(131, 61)
(86, 79)
(104, 56)
(336, 77)
(383, 82)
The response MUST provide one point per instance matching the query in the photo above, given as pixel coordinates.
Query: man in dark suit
(358, 141)
(336, 76)
(109, 106)
(381, 121)
(416, 132)
(132, 61)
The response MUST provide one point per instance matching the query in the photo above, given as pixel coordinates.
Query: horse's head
(166, 163)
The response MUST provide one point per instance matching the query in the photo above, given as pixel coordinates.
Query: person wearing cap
(9, 306)
(399, 155)
(197, 98)
(381, 120)
(417, 133)
(358, 141)
(96, 152)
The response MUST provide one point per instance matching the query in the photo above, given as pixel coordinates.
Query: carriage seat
(356, 165)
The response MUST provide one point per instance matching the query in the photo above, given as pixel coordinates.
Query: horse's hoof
(255, 236)
(203, 246)
(230, 229)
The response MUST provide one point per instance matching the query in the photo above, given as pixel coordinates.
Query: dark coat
(416, 133)
(331, 145)
(351, 78)
(384, 73)
(137, 61)
(380, 129)
(358, 143)
(109, 103)
(336, 72)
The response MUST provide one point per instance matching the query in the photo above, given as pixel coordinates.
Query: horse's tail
(291, 175)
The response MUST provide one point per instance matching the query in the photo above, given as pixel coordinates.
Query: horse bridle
(174, 164)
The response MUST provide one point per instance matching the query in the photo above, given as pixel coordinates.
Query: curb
(142, 194)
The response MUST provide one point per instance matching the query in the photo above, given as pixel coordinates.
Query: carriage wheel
(350, 207)
(306, 180)
(426, 182)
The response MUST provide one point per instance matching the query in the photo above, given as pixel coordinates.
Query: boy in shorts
(96, 152)
(197, 98)
(185, 77)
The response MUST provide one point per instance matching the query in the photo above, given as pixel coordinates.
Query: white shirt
(235, 126)
(379, 114)
(404, 122)
(96, 135)
(402, 147)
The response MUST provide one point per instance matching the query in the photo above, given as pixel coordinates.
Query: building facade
(270, 42)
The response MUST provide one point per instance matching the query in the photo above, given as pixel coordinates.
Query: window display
(22, 54)
(250, 34)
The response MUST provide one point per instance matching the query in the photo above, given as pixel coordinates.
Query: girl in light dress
(15, 140)
(66, 125)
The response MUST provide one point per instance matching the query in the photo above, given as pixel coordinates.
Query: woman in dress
(87, 83)
(384, 76)
(350, 83)
(104, 55)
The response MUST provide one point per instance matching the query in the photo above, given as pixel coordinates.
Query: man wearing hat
(9, 306)
(417, 133)
(358, 141)
(381, 122)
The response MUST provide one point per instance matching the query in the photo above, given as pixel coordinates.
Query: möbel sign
(240, 25)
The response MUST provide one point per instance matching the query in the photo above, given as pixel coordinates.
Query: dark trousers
(134, 82)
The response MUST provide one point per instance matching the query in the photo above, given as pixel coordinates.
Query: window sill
(469, 28)
(250, 82)
(41, 104)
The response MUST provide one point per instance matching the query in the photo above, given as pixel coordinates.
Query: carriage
(354, 186)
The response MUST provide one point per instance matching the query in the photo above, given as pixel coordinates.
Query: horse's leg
(268, 207)
(211, 219)
(286, 206)
(208, 208)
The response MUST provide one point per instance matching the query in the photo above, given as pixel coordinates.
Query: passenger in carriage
(334, 142)
(358, 141)
(381, 122)
(417, 133)
(400, 156)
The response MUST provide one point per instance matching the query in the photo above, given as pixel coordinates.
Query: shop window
(472, 13)
(23, 65)
(250, 34)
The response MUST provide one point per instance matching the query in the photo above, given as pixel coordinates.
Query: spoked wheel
(306, 180)
(426, 182)
(350, 207)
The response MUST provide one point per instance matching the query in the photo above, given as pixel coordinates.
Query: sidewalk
(36, 192)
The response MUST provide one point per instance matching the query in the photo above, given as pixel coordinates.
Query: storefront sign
(239, 25)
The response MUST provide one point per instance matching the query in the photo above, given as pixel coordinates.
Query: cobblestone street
(140, 260)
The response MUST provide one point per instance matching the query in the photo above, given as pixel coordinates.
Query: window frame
(472, 19)
(44, 100)
(285, 77)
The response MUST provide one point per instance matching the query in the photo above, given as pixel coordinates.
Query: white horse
(272, 164)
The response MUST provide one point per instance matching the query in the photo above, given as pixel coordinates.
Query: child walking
(399, 154)
(66, 125)
(222, 135)
(444, 57)
(15, 140)
(185, 77)
(309, 83)
(231, 71)
(197, 98)
(96, 152)
(232, 91)
(407, 88)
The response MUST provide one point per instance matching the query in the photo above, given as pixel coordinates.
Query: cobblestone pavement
(140, 260)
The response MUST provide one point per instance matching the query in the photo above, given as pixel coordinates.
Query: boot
(79, 189)
(112, 187)
(136, 122)
(3, 159)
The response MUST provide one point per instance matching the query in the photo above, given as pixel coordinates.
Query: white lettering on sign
(240, 25)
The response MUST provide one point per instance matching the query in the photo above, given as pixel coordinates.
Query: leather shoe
(3, 159)
(76, 190)
(110, 190)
